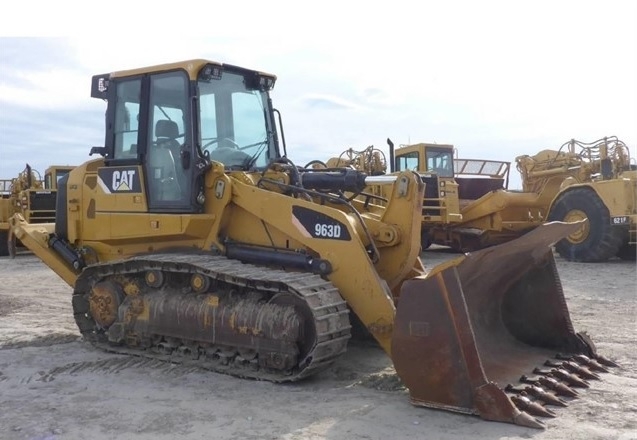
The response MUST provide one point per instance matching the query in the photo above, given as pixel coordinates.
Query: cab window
(440, 162)
(127, 119)
(407, 161)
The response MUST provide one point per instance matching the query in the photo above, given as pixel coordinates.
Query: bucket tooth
(605, 361)
(533, 408)
(592, 351)
(564, 375)
(551, 383)
(550, 399)
(526, 419)
(572, 379)
(559, 388)
(591, 364)
(511, 389)
(575, 368)
(580, 370)
(537, 392)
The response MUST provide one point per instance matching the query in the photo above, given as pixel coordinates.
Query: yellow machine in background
(594, 181)
(55, 173)
(434, 164)
(31, 196)
(487, 212)
(194, 239)
(468, 207)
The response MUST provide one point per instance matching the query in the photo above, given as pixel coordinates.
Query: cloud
(325, 102)
(42, 137)
(495, 78)
(41, 74)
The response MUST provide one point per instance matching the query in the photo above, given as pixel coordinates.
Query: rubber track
(330, 311)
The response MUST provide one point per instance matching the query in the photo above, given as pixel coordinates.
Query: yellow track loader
(194, 239)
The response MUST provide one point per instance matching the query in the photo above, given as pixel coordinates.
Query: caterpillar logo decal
(317, 225)
(117, 180)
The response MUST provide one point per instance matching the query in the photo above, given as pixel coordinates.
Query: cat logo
(119, 180)
(123, 180)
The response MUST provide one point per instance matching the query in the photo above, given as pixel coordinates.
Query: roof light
(99, 85)
(259, 81)
(209, 72)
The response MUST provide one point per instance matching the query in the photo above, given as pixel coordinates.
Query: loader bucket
(490, 334)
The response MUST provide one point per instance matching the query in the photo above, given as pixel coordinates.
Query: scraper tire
(599, 240)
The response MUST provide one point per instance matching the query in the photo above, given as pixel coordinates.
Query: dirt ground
(54, 386)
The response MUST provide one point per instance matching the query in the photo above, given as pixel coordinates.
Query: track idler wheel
(199, 283)
(154, 278)
(104, 301)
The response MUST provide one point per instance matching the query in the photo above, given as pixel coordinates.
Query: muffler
(472, 330)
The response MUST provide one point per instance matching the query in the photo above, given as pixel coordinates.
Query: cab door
(148, 126)
(167, 165)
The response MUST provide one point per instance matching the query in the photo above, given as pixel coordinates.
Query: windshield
(439, 161)
(235, 128)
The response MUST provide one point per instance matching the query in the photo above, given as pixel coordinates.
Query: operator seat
(163, 168)
(166, 133)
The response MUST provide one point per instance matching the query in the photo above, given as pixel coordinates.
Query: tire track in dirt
(106, 367)
(40, 341)
(12, 305)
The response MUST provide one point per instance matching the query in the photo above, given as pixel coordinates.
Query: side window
(127, 119)
(168, 98)
(440, 162)
(407, 161)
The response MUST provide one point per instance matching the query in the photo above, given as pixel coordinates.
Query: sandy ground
(54, 386)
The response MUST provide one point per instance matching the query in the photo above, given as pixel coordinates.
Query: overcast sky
(497, 79)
